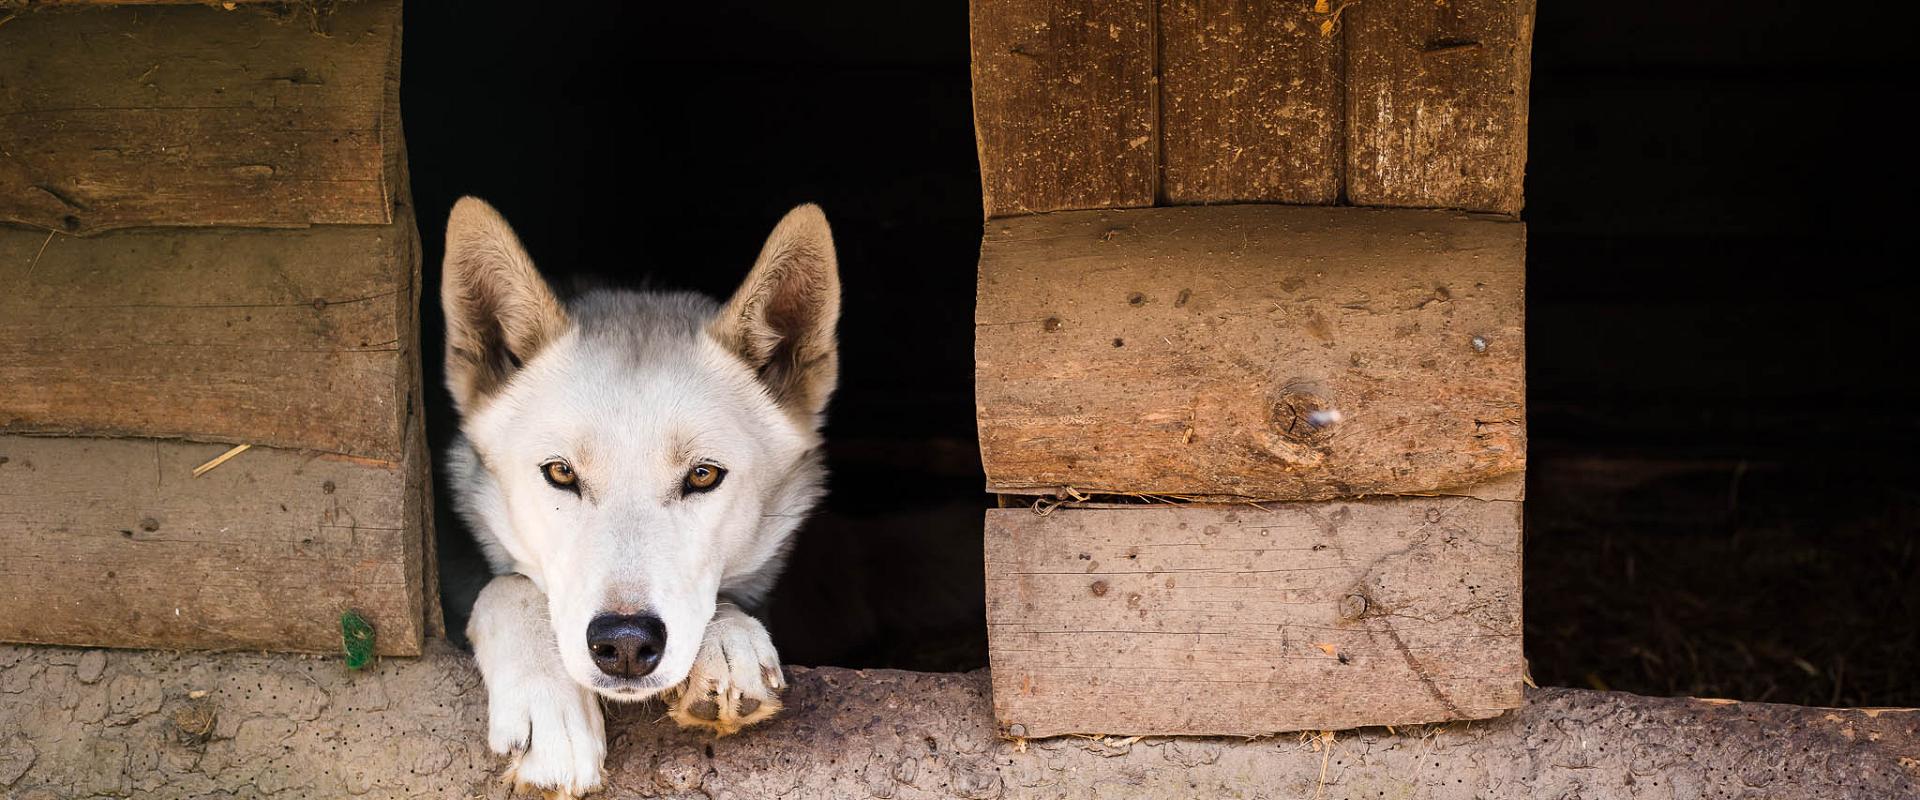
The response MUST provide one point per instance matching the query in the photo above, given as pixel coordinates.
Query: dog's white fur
(632, 389)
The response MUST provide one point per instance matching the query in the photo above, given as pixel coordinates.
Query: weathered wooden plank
(1250, 351)
(1250, 99)
(118, 119)
(1236, 620)
(1064, 104)
(1437, 102)
(113, 542)
(44, 5)
(292, 338)
(418, 728)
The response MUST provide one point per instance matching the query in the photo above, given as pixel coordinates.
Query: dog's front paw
(553, 734)
(550, 728)
(736, 679)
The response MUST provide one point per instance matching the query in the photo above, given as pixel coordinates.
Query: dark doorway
(659, 143)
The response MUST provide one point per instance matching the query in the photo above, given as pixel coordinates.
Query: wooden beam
(296, 339)
(1250, 99)
(41, 5)
(114, 542)
(1125, 104)
(1064, 104)
(120, 119)
(130, 724)
(1242, 620)
(1437, 102)
(1257, 352)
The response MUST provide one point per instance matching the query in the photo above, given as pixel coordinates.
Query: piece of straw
(220, 459)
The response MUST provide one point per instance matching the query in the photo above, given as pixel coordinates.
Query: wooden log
(1243, 620)
(1251, 104)
(155, 725)
(296, 339)
(44, 5)
(1250, 351)
(1437, 102)
(1064, 104)
(114, 542)
(120, 119)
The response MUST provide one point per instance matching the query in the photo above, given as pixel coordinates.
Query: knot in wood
(1304, 413)
(1353, 606)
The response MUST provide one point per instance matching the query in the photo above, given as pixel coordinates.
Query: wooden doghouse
(207, 242)
(1262, 462)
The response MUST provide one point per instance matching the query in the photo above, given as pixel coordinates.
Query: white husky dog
(634, 465)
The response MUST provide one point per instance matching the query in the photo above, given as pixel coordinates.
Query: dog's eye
(703, 478)
(560, 475)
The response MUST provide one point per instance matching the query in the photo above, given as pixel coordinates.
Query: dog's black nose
(626, 645)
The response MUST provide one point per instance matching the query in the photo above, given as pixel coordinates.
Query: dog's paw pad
(707, 709)
(723, 711)
(735, 681)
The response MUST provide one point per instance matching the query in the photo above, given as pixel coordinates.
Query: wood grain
(42, 5)
(1235, 620)
(119, 119)
(1064, 104)
(1251, 103)
(112, 542)
(1437, 103)
(1259, 352)
(293, 339)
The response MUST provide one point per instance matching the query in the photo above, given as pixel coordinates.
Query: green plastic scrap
(356, 636)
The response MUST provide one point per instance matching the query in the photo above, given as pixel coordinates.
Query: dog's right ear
(500, 312)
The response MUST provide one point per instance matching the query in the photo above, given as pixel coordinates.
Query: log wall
(208, 239)
(1251, 353)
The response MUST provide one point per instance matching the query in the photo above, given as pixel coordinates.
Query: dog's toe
(735, 681)
(508, 725)
(562, 746)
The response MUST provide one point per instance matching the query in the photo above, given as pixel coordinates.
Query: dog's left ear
(781, 320)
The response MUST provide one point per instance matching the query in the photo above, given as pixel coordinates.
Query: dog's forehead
(618, 398)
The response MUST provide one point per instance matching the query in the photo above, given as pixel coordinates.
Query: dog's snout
(626, 645)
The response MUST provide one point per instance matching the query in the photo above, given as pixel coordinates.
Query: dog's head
(640, 453)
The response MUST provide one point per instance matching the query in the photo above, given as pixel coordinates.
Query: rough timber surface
(194, 115)
(83, 724)
(114, 542)
(1250, 104)
(1237, 620)
(294, 339)
(1437, 103)
(1064, 104)
(38, 5)
(1264, 352)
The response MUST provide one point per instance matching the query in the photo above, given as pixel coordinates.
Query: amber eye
(703, 478)
(560, 475)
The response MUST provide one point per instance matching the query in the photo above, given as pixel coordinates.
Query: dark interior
(1722, 494)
